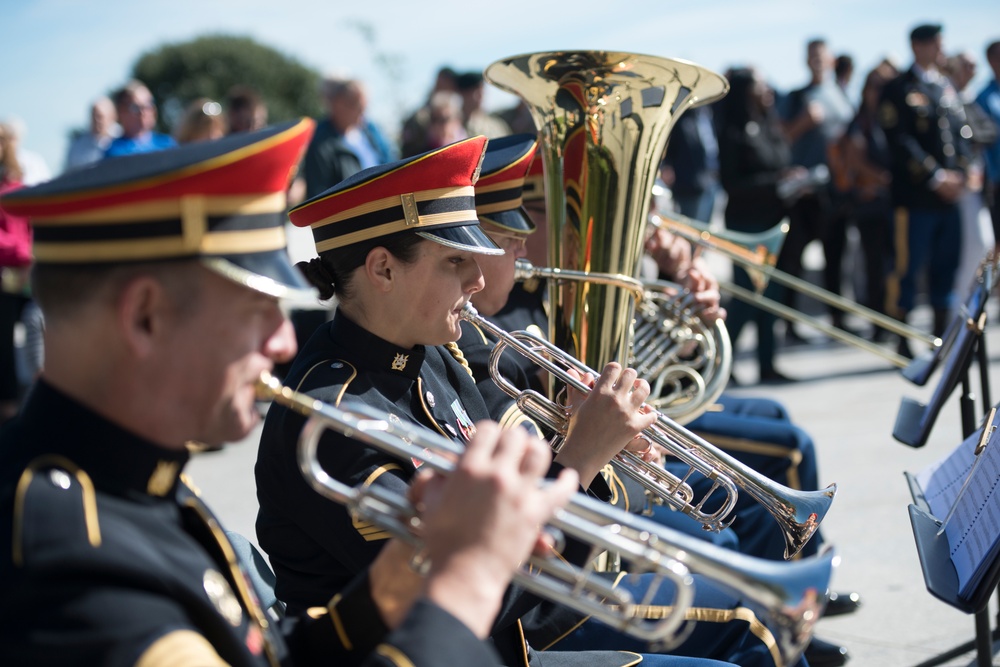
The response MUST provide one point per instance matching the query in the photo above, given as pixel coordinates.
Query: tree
(210, 65)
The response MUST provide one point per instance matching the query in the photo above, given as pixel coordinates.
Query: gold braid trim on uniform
(427, 412)
(237, 578)
(616, 485)
(338, 625)
(89, 502)
(771, 449)
(621, 575)
(393, 655)
(459, 357)
(343, 389)
(524, 643)
(180, 648)
(901, 228)
(514, 417)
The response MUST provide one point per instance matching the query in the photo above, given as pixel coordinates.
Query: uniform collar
(375, 353)
(117, 461)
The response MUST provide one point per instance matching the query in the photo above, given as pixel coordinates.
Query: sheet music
(942, 480)
(973, 531)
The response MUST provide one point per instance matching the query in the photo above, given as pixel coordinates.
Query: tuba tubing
(666, 326)
(788, 598)
(798, 513)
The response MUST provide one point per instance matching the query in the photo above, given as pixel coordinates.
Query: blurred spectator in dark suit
(691, 165)
(754, 160)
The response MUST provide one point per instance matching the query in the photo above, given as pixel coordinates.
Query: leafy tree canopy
(210, 65)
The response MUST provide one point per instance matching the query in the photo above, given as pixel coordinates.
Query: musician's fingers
(536, 458)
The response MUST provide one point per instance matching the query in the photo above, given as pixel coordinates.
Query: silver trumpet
(686, 361)
(798, 513)
(788, 598)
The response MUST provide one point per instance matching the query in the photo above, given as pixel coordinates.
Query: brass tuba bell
(603, 119)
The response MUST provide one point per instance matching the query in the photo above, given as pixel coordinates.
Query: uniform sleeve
(430, 637)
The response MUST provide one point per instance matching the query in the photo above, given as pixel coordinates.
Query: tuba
(603, 119)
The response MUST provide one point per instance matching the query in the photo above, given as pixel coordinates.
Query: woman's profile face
(428, 294)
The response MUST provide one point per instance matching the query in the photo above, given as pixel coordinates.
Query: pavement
(847, 399)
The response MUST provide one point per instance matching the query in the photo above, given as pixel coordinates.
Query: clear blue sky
(60, 54)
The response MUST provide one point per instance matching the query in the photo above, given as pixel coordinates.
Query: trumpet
(788, 598)
(798, 513)
(760, 267)
(686, 361)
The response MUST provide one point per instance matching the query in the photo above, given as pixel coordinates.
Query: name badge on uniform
(465, 425)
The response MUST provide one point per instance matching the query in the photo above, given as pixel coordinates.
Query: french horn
(686, 361)
(788, 598)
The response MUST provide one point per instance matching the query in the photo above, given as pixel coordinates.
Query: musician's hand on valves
(705, 288)
(482, 521)
(606, 420)
(672, 254)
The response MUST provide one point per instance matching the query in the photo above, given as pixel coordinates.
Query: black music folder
(920, 369)
(914, 419)
(956, 521)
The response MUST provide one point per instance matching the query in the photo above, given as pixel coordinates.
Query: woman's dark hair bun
(319, 276)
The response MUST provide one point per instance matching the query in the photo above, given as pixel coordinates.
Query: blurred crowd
(812, 156)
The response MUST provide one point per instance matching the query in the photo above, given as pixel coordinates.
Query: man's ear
(380, 268)
(141, 309)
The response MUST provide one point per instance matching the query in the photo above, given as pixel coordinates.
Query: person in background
(137, 116)
(977, 232)
(245, 110)
(843, 70)
(989, 100)
(815, 116)
(15, 259)
(867, 164)
(345, 141)
(413, 134)
(754, 158)
(89, 146)
(690, 167)
(202, 121)
(34, 169)
(930, 173)
(471, 86)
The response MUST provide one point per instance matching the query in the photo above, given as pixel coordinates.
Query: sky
(61, 54)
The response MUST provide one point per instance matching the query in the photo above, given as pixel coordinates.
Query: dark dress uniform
(923, 121)
(110, 559)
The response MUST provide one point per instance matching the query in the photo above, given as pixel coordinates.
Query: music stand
(937, 565)
(920, 369)
(914, 419)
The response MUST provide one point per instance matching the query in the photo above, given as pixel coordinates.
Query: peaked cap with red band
(431, 195)
(501, 182)
(222, 202)
(534, 180)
